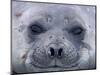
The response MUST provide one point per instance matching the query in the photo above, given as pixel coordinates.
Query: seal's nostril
(52, 51)
(60, 52)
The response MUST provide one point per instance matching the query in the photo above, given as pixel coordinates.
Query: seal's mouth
(56, 66)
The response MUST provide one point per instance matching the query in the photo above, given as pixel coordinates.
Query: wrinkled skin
(52, 37)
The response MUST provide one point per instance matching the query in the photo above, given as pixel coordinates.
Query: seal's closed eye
(36, 28)
(76, 30)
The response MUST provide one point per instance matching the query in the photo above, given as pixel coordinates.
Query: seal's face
(54, 37)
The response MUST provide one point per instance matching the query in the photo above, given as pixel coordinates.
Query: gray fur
(30, 52)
